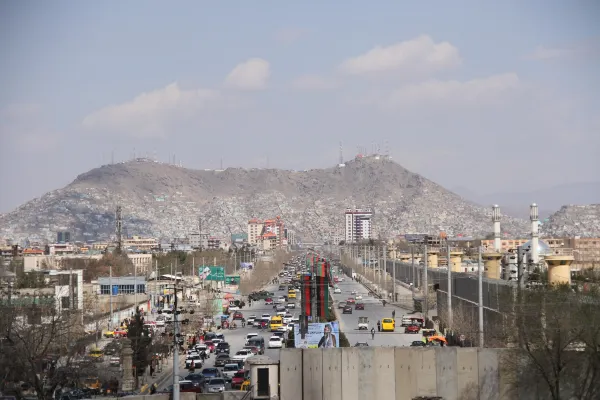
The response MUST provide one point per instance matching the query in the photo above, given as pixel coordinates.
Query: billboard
(319, 335)
(211, 273)
(246, 265)
(233, 280)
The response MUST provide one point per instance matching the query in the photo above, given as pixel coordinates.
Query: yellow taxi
(388, 325)
(291, 294)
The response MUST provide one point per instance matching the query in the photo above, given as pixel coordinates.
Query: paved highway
(375, 311)
(237, 337)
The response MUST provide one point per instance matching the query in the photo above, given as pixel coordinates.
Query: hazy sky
(487, 95)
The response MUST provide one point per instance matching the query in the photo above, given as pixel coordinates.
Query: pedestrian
(378, 327)
(372, 333)
(153, 388)
(394, 314)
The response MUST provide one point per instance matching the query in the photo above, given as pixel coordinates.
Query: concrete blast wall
(386, 373)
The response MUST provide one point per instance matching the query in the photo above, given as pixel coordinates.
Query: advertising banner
(211, 273)
(233, 280)
(246, 265)
(319, 335)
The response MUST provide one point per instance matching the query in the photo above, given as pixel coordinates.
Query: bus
(291, 294)
(276, 322)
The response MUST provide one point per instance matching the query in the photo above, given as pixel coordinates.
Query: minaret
(535, 240)
(496, 221)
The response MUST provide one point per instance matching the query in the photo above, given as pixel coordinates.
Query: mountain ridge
(164, 200)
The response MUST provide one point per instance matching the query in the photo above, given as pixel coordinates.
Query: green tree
(140, 341)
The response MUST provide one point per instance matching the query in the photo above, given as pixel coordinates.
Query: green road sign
(232, 280)
(212, 273)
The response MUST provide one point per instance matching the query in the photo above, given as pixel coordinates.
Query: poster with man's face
(319, 335)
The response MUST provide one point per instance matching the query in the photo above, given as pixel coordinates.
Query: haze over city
(495, 97)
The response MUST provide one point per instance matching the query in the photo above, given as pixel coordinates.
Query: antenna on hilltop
(387, 149)
(341, 153)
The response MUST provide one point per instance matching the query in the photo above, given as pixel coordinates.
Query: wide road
(375, 311)
(237, 337)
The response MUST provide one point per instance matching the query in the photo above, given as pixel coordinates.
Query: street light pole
(176, 349)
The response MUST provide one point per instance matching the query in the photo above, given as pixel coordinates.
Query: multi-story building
(586, 252)
(63, 237)
(214, 243)
(34, 261)
(140, 243)
(255, 229)
(290, 235)
(277, 227)
(358, 224)
(198, 240)
(268, 241)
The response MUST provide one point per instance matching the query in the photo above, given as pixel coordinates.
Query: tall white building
(358, 224)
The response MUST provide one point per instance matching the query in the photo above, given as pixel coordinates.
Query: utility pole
(385, 266)
(394, 277)
(176, 347)
(449, 285)
(135, 286)
(313, 291)
(425, 284)
(480, 278)
(111, 297)
(414, 271)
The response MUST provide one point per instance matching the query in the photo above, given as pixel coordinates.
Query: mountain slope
(549, 199)
(574, 220)
(166, 201)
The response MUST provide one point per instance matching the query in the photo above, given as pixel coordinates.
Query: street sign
(233, 280)
(212, 273)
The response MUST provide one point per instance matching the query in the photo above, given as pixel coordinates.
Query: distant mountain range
(549, 200)
(167, 201)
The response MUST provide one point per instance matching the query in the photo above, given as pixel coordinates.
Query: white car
(358, 297)
(337, 290)
(281, 300)
(233, 308)
(194, 361)
(250, 320)
(287, 319)
(291, 305)
(250, 336)
(242, 355)
(275, 342)
(265, 316)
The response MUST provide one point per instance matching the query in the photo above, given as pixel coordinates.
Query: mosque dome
(543, 248)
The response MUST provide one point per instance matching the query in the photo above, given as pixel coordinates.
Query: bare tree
(38, 345)
(263, 272)
(557, 334)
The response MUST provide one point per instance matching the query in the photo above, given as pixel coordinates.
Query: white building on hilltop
(358, 224)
